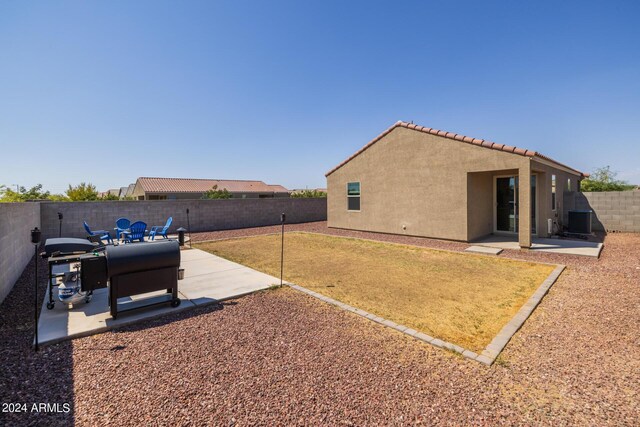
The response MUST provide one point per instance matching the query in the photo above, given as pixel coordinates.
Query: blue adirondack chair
(160, 230)
(136, 232)
(104, 235)
(122, 224)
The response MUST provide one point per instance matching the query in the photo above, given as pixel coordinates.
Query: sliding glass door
(507, 211)
(507, 204)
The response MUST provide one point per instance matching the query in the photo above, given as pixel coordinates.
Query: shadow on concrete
(173, 317)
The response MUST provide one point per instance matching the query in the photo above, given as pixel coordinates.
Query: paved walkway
(207, 279)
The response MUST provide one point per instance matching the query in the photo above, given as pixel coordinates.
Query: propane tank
(69, 292)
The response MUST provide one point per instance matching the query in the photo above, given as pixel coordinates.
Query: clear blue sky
(283, 91)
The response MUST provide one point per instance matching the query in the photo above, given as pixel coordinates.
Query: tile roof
(460, 138)
(191, 185)
(277, 188)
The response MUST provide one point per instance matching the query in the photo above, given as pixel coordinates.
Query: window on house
(353, 196)
(568, 184)
(553, 192)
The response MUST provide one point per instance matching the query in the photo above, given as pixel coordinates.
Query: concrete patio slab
(62, 324)
(207, 279)
(484, 250)
(238, 281)
(559, 246)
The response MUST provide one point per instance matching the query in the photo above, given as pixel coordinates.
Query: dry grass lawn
(461, 298)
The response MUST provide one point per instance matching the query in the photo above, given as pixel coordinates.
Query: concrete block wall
(204, 215)
(613, 210)
(16, 222)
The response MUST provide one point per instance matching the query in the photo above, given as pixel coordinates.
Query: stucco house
(421, 181)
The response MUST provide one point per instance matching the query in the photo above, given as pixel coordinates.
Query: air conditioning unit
(580, 222)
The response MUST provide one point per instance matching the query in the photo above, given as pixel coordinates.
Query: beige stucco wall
(420, 184)
(481, 199)
(544, 175)
(480, 202)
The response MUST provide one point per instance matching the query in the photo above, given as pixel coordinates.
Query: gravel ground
(281, 357)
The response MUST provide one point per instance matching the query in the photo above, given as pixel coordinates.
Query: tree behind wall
(23, 194)
(82, 192)
(309, 194)
(604, 179)
(109, 196)
(214, 193)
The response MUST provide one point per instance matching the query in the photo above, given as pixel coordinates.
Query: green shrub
(82, 192)
(604, 179)
(22, 194)
(214, 193)
(309, 194)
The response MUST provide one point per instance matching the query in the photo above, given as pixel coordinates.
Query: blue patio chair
(104, 235)
(122, 224)
(160, 230)
(136, 232)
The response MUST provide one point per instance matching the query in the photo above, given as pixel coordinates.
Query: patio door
(506, 202)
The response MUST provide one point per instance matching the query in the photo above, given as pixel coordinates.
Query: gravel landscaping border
(489, 354)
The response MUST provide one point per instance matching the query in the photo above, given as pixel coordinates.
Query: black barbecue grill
(66, 250)
(141, 268)
(67, 246)
(127, 269)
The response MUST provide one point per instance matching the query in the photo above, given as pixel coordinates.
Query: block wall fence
(612, 210)
(204, 215)
(16, 250)
(17, 220)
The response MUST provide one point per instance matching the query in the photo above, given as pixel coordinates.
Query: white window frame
(554, 195)
(358, 196)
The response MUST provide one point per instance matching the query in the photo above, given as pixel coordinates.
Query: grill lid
(67, 246)
(136, 257)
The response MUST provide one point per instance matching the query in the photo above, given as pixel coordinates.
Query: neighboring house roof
(111, 191)
(123, 191)
(190, 185)
(130, 189)
(277, 188)
(460, 138)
